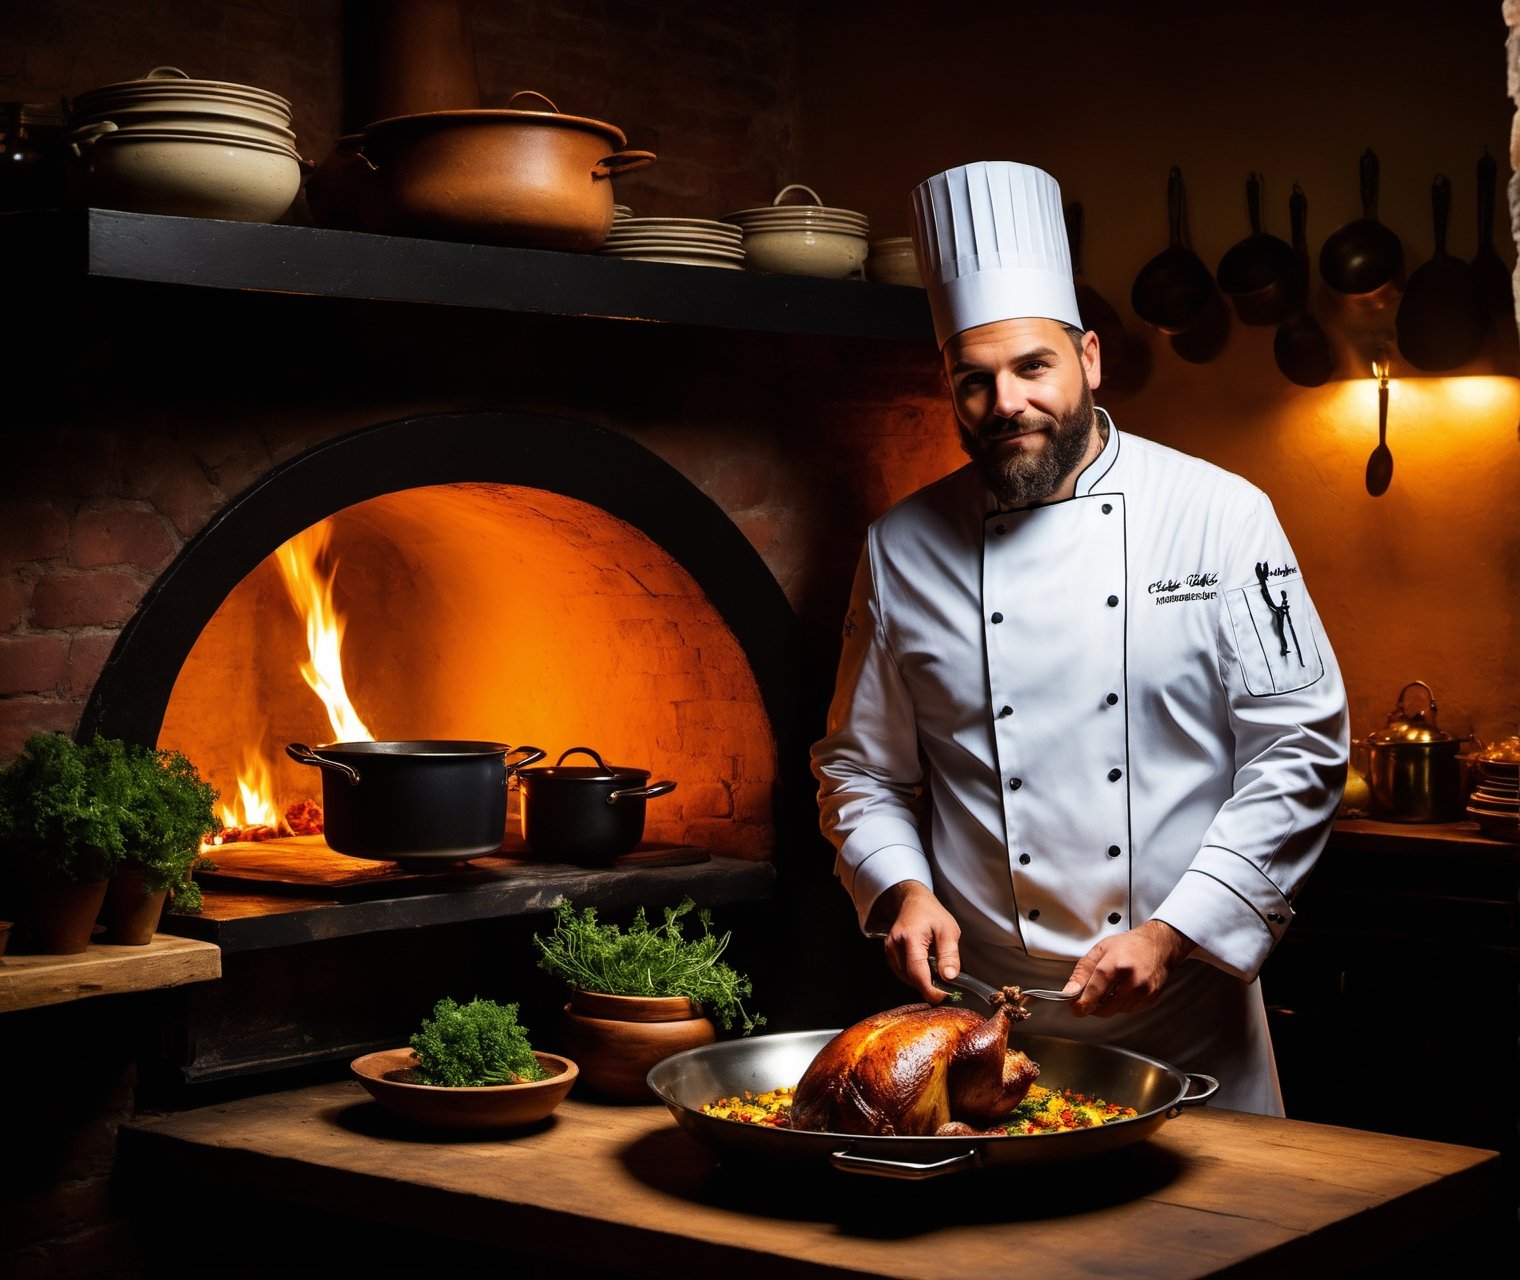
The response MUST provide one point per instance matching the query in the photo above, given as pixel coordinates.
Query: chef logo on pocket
(1274, 636)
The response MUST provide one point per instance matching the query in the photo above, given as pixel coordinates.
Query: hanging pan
(1175, 287)
(1443, 316)
(1300, 346)
(1259, 273)
(1363, 258)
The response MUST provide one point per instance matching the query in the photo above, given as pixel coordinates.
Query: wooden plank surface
(27, 981)
(621, 1187)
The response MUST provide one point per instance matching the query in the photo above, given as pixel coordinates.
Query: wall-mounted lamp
(1380, 463)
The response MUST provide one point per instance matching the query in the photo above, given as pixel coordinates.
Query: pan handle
(1207, 1087)
(636, 793)
(905, 1170)
(534, 753)
(302, 754)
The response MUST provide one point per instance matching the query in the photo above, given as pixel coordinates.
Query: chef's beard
(1026, 476)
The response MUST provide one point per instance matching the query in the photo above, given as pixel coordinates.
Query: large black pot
(424, 801)
(587, 814)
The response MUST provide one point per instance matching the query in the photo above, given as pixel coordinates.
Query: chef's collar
(1092, 473)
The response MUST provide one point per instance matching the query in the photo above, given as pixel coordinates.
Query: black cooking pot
(424, 801)
(586, 814)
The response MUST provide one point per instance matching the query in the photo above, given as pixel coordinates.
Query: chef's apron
(1204, 1021)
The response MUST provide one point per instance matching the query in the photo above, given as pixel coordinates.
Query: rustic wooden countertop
(620, 1187)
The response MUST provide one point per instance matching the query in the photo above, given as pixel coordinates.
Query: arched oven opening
(509, 577)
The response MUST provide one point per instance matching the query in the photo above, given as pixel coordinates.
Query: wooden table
(620, 1189)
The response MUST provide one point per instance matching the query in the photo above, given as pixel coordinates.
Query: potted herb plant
(639, 994)
(168, 811)
(468, 1066)
(60, 836)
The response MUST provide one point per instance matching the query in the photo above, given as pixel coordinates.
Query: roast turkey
(917, 1070)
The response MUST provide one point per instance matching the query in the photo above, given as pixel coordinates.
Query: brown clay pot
(63, 916)
(132, 911)
(538, 179)
(615, 1040)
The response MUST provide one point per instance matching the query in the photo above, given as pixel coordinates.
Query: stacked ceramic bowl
(1495, 802)
(892, 261)
(803, 239)
(196, 148)
(691, 242)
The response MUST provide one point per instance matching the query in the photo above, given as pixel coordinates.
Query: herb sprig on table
(475, 1044)
(645, 961)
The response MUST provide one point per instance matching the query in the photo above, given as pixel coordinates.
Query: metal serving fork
(985, 989)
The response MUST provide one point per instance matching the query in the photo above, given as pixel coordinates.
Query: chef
(1088, 731)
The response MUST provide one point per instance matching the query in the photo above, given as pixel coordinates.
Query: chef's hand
(1125, 974)
(913, 925)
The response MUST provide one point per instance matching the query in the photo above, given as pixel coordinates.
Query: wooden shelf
(319, 262)
(29, 981)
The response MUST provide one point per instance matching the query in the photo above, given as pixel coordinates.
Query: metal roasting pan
(685, 1082)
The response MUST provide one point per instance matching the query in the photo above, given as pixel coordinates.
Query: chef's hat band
(991, 244)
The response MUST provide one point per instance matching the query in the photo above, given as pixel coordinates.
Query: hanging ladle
(1380, 463)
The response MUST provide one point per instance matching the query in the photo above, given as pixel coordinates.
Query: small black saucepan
(415, 802)
(587, 814)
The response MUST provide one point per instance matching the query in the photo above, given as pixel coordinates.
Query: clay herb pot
(132, 910)
(617, 1039)
(63, 915)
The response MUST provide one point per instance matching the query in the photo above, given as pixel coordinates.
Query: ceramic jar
(615, 1040)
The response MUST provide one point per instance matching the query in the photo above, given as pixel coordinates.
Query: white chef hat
(991, 244)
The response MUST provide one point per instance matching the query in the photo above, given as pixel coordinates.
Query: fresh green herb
(480, 1043)
(641, 961)
(72, 811)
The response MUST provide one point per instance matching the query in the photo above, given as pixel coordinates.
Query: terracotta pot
(533, 178)
(616, 1039)
(132, 911)
(63, 916)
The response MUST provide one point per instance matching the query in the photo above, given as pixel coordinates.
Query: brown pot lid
(502, 115)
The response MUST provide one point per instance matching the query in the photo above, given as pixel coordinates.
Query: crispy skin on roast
(915, 1070)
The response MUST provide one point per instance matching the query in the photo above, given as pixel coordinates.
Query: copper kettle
(1412, 768)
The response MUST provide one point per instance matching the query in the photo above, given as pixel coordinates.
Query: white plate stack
(690, 242)
(1495, 802)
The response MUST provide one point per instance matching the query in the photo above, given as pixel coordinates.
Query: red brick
(97, 598)
(119, 533)
(33, 663)
(87, 658)
(22, 717)
(33, 531)
(15, 601)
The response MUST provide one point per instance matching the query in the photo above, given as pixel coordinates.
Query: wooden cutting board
(306, 862)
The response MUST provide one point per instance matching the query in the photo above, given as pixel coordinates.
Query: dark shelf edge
(322, 262)
(289, 920)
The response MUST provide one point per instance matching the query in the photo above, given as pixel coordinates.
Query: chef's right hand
(913, 925)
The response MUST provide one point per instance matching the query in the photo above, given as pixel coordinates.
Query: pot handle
(532, 93)
(636, 793)
(302, 754)
(908, 1170)
(797, 186)
(622, 162)
(534, 753)
(1207, 1088)
(88, 135)
(1430, 697)
(583, 751)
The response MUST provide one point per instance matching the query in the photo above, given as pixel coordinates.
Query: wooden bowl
(386, 1075)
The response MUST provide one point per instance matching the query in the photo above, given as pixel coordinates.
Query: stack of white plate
(690, 242)
(803, 239)
(1495, 802)
(170, 144)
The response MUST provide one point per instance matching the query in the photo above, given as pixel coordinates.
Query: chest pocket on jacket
(1275, 637)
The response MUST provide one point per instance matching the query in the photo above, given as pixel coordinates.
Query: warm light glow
(307, 571)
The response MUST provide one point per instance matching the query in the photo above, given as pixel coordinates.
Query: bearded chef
(1088, 731)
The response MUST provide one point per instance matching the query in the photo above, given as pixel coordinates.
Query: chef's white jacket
(1122, 707)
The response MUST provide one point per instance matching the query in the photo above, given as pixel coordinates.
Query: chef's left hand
(1125, 974)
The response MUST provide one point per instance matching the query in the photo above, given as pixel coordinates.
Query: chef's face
(1022, 391)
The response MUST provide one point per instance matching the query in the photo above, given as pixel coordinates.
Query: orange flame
(307, 571)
